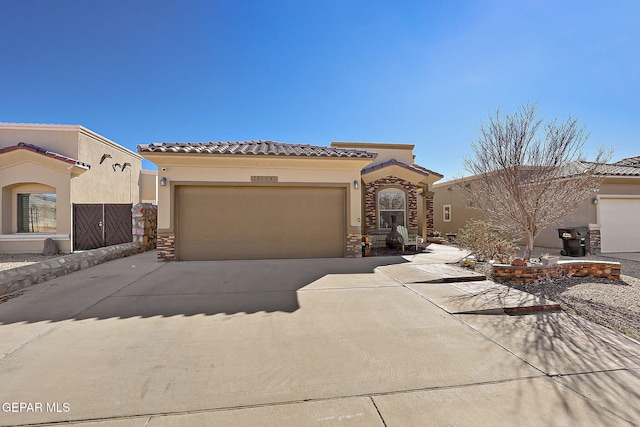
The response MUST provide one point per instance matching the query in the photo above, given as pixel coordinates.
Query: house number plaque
(264, 179)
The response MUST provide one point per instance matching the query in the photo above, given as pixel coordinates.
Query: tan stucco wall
(233, 170)
(447, 194)
(58, 138)
(401, 152)
(149, 186)
(101, 184)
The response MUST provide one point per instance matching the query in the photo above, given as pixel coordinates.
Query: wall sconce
(163, 181)
(116, 165)
(105, 157)
(595, 200)
(356, 184)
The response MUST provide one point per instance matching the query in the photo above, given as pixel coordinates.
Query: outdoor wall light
(595, 200)
(163, 181)
(105, 157)
(356, 184)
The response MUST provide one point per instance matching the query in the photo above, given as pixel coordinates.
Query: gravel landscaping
(612, 303)
(9, 261)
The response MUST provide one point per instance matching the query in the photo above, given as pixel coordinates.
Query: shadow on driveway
(140, 287)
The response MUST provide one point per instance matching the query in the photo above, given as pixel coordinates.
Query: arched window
(392, 204)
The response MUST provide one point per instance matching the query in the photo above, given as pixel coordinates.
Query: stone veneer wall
(429, 213)
(527, 274)
(371, 195)
(354, 245)
(166, 247)
(145, 223)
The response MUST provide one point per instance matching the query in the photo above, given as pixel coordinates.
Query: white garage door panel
(620, 224)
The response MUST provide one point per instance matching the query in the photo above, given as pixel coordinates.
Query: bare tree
(527, 174)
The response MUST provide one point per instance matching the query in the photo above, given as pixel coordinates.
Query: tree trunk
(529, 249)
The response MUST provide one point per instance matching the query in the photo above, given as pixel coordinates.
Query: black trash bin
(574, 240)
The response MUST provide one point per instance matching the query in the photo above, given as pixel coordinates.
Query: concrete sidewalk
(305, 343)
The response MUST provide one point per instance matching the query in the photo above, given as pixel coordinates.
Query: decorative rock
(510, 274)
(50, 247)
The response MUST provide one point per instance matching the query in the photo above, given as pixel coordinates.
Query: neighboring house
(611, 215)
(48, 172)
(265, 199)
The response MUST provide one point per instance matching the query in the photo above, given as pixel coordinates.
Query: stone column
(594, 239)
(145, 219)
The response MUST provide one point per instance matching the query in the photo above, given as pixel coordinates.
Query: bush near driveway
(485, 243)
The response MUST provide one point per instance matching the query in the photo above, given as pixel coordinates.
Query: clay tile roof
(608, 169)
(46, 153)
(629, 161)
(256, 148)
(414, 167)
(618, 170)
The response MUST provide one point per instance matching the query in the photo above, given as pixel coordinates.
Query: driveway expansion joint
(378, 411)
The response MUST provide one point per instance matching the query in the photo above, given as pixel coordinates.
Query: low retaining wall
(21, 277)
(598, 269)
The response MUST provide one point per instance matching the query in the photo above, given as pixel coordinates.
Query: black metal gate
(96, 225)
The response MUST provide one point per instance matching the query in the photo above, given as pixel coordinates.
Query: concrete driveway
(305, 343)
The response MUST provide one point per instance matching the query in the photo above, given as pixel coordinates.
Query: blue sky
(412, 72)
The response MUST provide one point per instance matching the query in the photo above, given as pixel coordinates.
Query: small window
(446, 213)
(36, 213)
(392, 204)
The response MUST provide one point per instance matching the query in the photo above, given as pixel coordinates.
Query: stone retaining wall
(21, 277)
(597, 269)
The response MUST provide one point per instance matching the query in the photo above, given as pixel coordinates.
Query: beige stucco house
(265, 199)
(611, 214)
(47, 169)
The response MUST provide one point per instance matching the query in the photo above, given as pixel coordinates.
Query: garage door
(216, 223)
(620, 224)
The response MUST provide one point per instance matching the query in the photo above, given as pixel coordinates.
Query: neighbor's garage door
(215, 223)
(620, 224)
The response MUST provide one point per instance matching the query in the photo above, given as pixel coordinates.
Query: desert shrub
(486, 243)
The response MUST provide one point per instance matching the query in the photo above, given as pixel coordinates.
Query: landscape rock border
(14, 279)
(509, 274)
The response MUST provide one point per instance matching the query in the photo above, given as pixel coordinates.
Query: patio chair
(406, 239)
